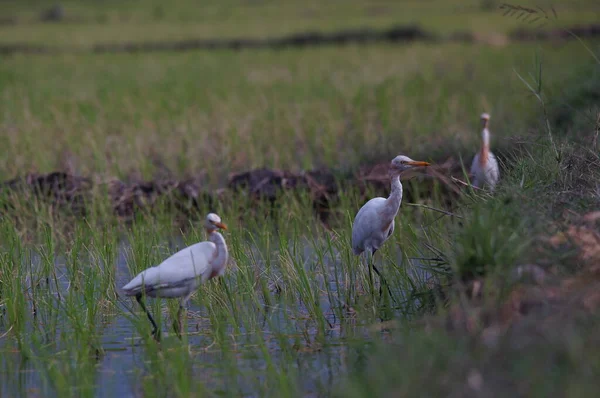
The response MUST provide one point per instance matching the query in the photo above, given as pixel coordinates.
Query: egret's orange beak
(418, 163)
(221, 225)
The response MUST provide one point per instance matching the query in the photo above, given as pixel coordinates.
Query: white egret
(374, 222)
(484, 169)
(182, 273)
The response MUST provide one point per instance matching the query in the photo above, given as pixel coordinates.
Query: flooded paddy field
(290, 311)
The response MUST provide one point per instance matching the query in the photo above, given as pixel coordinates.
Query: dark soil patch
(581, 31)
(62, 190)
(302, 39)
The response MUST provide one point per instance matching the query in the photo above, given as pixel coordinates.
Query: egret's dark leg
(178, 324)
(372, 265)
(369, 257)
(155, 331)
(382, 281)
(371, 285)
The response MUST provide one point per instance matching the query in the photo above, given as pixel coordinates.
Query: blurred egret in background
(484, 169)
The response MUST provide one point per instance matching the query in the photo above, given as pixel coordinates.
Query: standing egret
(484, 168)
(182, 273)
(374, 222)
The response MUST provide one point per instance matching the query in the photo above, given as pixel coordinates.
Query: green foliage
(537, 360)
(491, 239)
(577, 110)
(225, 111)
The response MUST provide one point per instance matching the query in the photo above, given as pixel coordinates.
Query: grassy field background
(223, 111)
(293, 315)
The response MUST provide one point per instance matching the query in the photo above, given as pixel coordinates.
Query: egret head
(213, 222)
(485, 118)
(401, 163)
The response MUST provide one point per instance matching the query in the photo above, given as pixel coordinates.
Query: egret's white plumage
(484, 169)
(374, 222)
(183, 272)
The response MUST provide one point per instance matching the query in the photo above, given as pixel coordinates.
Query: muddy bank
(581, 31)
(543, 297)
(396, 34)
(67, 192)
(19, 48)
(301, 39)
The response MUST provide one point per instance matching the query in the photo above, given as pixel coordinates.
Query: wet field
(237, 336)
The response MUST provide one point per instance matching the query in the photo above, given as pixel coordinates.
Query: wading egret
(484, 169)
(374, 222)
(182, 273)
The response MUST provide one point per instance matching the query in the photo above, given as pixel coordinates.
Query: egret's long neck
(220, 260)
(485, 137)
(392, 204)
(485, 146)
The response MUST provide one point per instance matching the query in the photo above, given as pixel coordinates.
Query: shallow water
(119, 372)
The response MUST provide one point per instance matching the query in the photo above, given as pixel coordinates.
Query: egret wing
(366, 223)
(191, 262)
(475, 164)
(494, 170)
